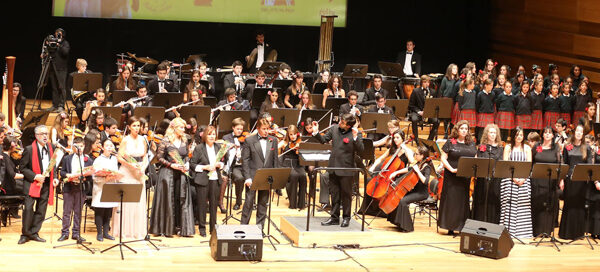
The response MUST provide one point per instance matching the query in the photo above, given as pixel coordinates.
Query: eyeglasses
(42, 133)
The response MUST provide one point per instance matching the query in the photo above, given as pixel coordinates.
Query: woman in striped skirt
(485, 107)
(523, 105)
(537, 121)
(551, 107)
(515, 194)
(466, 100)
(582, 98)
(505, 117)
(566, 102)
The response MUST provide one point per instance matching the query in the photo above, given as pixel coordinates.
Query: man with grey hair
(38, 188)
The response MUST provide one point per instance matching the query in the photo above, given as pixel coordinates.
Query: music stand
(376, 121)
(354, 71)
(317, 155)
(201, 113)
(390, 86)
(258, 97)
(210, 101)
(318, 98)
(437, 108)
(548, 170)
(35, 118)
(152, 114)
(431, 145)
(282, 85)
(120, 96)
(269, 179)
(512, 169)
(335, 103)
(399, 107)
(317, 115)
(87, 82)
(478, 168)
(167, 100)
(391, 69)
(114, 112)
(226, 117)
(121, 192)
(319, 88)
(596, 129)
(588, 173)
(270, 67)
(284, 117)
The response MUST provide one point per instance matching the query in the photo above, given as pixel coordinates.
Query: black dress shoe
(345, 222)
(223, 210)
(330, 221)
(236, 207)
(99, 237)
(109, 237)
(203, 233)
(278, 192)
(63, 237)
(37, 238)
(78, 238)
(24, 239)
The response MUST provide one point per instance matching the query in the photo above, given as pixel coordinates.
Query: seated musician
(393, 126)
(323, 78)
(110, 131)
(306, 102)
(235, 80)
(401, 217)
(194, 85)
(248, 91)
(379, 107)
(416, 104)
(124, 81)
(96, 121)
(284, 72)
(128, 107)
(100, 101)
(60, 130)
(9, 175)
(81, 66)
(20, 102)
(372, 92)
(161, 84)
(334, 89)
(271, 101)
(561, 135)
(230, 102)
(203, 67)
(352, 107)
(293, 93)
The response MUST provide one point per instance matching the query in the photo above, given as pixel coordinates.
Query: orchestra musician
(235, 80)
(284, 72)
(380, 107)
(100, 101)
(410, 60)
(20, 102)
(352, 106)
(248, 91)
(9, 175)
(416, 104)
(234, 163)
(296, 186)
(271, 102)
(81, 66)
(140, 100)
(306, 102)
(293, 94)
(334, 89)
(194, 85)
(323, 78)
(346, 143)
(230, 101)
(372, 92)
(124, 81)
(161, 84)
(61, 125)
(261, 51)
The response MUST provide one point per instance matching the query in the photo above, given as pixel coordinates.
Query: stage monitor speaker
(485, 239)
(236, 243)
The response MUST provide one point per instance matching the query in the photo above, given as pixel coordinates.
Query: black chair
(426, 207)
(8, 202)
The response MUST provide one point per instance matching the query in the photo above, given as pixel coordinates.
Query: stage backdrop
(273, 12)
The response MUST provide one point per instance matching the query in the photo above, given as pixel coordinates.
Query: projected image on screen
(274, 12)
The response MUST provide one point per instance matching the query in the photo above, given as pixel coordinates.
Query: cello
(400, 187)
(378, 185)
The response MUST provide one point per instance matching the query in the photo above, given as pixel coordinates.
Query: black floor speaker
(485, 239)
(236, 243)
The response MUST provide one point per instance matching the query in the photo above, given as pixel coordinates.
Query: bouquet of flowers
(132, 160)
(225, 146)
(175, 155)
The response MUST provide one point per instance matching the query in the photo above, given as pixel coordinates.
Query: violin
(117, 138)
(17, 154)
(242, 138)
(101, 127)
(154, 137)
(96, 151)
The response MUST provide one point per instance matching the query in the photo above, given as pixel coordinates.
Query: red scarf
(35, 165)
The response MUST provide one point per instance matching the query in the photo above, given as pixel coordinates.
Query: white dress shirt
(260, 57)
(407, 64)
(45, 157)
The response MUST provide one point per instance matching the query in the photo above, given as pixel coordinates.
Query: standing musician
(293, 94)
(161, 84)
(352, 106)
(235, 80)
(296, 186)
(416, 104)
(259, 151)
(346, 143)
(35, 161)
(401, 217)
(372, 92)
(124, 81)
(410, 60)
(454, 202)
(207, 170)
(259, 53)
(234, 162)
(334, 89)
(100, 101)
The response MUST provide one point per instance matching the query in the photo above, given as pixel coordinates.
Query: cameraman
(57, 49)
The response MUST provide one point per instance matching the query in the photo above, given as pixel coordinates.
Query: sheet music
(316, 156)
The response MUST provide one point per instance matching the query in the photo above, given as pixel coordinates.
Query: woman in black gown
(454, 203)
(572, 222)
(594, 191)
(489, 148)
(172, 211)
(544, 205)
(401, 216)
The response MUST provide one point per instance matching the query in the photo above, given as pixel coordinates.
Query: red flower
(482, 148)
(85, 158)
(269, 92)
(302, 123)
(453, 141)
(463, 76)
(539, 149)
(569, 147)
(199, 92)
(481, 71)
(233, 108)
(586, 109)
(495, 63)
(598, 152)
(346, 140)
(271, 118)
(300, 96)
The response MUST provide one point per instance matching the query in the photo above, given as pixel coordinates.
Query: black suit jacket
(417, 100)
(253, 158)
(369, 98)
(200, 157)
(267, 50)
(27, 169)
(152, 86)
(235, 106)
(386, 109)
(7, 174)
(345, 108)
(415, 61)
(343, 148)
(229, 82)
(66, 169)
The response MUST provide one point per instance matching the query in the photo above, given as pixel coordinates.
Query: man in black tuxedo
(259, 53)
(346, 143)
(259, 151)
(410, 60)
(235, 80)
(416, 104)
(161, 84)
(370, 93)
(35, 161)
(73, 191)
(57, 72)
(351, 107)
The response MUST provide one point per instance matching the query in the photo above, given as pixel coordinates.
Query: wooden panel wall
(563, 32)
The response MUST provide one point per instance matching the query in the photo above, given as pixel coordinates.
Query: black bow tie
(161, 81)
(409, 53)
(257, 44)
(263, 138)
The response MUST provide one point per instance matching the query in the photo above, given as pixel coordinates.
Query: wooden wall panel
(547, 31)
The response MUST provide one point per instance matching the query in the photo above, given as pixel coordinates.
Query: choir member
(523, 107)
(490, 69)
(576, 74)
(484, 102)
(447, 90)
(488, 191)
(544, 197)
(103, 210)
(466, 102)
(587, 120)
(416, 104)
(552, 107)
(582, 98)
(465, 74)
(537, 95)
(454, 203)
(515, 193)
(552, 74)
(296, 186)
(505, 107)
(566, 101)
(594, 198)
